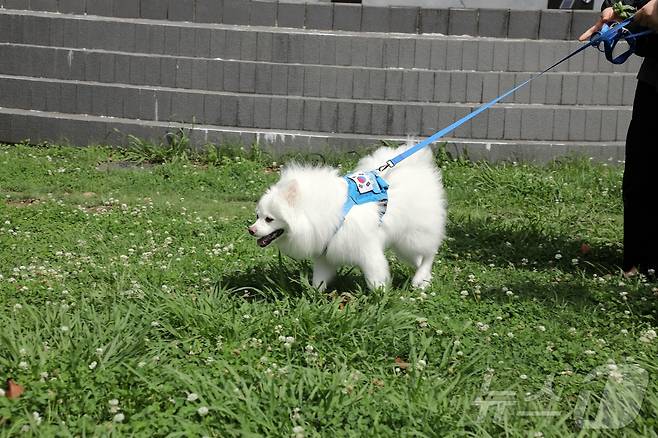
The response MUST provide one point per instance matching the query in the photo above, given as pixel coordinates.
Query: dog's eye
(268, 219)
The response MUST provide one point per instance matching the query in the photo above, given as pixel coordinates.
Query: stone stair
(306, 76)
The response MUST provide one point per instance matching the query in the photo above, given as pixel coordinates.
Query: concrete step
(36, 126)
(349, 116)
(251, 43)
(547, 24)
(417, 85)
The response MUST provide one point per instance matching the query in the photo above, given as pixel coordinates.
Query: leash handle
(609, 34)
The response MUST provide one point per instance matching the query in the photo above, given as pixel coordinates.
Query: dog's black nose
(251, 230)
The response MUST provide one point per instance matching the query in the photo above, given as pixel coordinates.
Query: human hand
(607, 15)
(648, 15)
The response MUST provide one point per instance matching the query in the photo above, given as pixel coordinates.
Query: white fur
(307, 203)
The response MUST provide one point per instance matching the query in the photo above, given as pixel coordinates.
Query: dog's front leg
(323, 273)
(375, 269)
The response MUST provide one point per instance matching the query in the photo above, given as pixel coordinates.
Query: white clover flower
(23, 365)
(421, 364)
(202, 411)
(590, 352)
(572, 330)
(18, 306)
(192, 396)
(523, 377)
(464, 293)
(93, 365)
(574, 261)
(118, 418)
(2, 392)
(422, 322)
(510, 334)
(558, 256)
(64, 328)
(541, 328)
(648, 336)
(481, 326)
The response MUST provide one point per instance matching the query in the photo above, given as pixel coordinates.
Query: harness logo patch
(364, 182)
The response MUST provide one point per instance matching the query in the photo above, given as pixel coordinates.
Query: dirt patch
(19, 203)
(123, 165)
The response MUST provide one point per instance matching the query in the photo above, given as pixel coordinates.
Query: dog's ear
(291, 191)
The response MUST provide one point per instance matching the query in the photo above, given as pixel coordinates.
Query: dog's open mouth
(266, 240)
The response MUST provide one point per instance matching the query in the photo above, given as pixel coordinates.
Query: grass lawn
(133, 302)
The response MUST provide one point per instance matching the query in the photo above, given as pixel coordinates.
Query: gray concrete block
(168, 68)
(413, 117)
(17, 4)
(581, 21)
(396, 120)
(496, 123)
(391, 53)
(106, 67)
(410, 85)
(425, 86)
(217, 43)
(152, 70)
(246, 111)
(200, 74)
(600, 89)
(43, 5)
(623, 121)
(127, 40)
(454, 56)
(470, 55)
(457, 87)
(328, 82)
(215, 75)
(555, 25)
(430, 120)
(537, 124)
(359, 51)
(280, 47)
(524, 24)
(188, 41)
(99, 102)
(615, 90)
(442, 86)
(153, 9)
(512, 129)
(343, 50)
(146, 104)
(156, 39)
(70, 35)
(328, 51)
(248, 46)
(404, 19)
(184, 73)
(211, 109)
(278, 113)
(291, 15)
(407, 53)
(68, 92)
(523, 94)
(264, 46)
(188, 107)
(569, 89)
(163, 105)
(280, 79)
(231, 76)
(347, 17)
(233, 42)
(394, 85)
(311, 115)
(360, 84)
(71, 6)
(434, 21)
(375, 19)
(201, 47)
(593, 125)
(236, 12)
(295, 80)
(172, 40)
(137, 70)
(577, 124)
(376, 84)
(490, 84)
(312, 49)
(208, 11)
(438, 53)
(464, 131)
(262, 107)
(228, 110)
(561, 121)
(345, 123)
(538, 90)
(264, 79)
(98, 7)
(516, 56)
(312, 77)
(126, 9)
(531, 58)
(553, 89)
(574, 64)
(474, 86)
(328, 116)
(423, 54)
(591, 60)
(181, 10)
(374, 52)
(463, 22)
(319, 16)
(493, 23)
(480, 125)
(295, 114)
(585, 91)
(608, 125)
(362, 118)
(296, 48)
(141, 39)
(485, 51)
(628, 93)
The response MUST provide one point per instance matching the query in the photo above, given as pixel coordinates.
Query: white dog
(303, 214)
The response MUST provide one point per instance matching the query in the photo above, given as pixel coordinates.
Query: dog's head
(274, 212)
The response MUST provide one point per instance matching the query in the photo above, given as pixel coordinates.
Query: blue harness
(365, 187)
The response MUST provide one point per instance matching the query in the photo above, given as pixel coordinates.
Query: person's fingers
(589, 32)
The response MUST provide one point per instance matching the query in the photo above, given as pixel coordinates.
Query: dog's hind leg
(323, 273)
(375, 269)
(423, 276)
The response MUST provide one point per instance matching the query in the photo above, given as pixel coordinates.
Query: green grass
(140, 285)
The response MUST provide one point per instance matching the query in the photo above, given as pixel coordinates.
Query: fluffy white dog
(303, 215)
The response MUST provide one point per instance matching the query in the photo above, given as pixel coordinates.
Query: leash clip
(389, 164)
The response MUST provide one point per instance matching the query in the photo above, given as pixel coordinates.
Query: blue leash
(608, 38)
